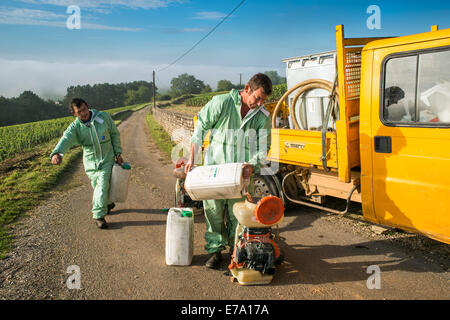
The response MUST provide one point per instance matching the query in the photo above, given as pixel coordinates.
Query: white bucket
(214, 182)
(120, 178)
(180, 236)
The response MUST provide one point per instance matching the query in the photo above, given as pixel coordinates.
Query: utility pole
(240, 79)
(154, 92)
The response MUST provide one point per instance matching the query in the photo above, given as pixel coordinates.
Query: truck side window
(433, 88)
(417, 88)
(400, 89)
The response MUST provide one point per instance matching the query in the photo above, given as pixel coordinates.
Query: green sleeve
(263, 138)
(115, 135)
(207, 118)
(67, 141)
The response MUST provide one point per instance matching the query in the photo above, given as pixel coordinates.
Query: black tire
(264, 186)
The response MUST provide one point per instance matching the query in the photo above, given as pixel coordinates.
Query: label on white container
(222, 181)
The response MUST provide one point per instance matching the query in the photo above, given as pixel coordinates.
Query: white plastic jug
(120, 179)
(180, 236)
(222, 181)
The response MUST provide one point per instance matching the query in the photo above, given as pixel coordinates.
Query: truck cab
(405, 133)
(387, 142)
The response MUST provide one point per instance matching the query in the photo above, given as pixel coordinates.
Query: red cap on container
(269, 210)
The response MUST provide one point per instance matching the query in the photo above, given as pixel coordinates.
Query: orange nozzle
(269, 210)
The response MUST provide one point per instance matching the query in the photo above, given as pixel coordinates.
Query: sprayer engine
(257, 251)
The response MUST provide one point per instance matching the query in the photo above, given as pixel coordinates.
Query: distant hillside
(28, 107)
(103, 96)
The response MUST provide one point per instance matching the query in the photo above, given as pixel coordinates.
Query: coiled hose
(302, 88)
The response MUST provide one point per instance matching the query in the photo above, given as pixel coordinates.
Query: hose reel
(333, 105)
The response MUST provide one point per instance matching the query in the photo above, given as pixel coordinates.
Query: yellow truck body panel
(408, 187)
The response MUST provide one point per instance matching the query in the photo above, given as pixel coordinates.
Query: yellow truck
(370, 123)
(377, 132)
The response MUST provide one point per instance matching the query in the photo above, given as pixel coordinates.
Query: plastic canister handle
(178, 211)
(186, 213)
(126, 166)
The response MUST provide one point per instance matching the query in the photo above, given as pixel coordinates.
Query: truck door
(411, 137)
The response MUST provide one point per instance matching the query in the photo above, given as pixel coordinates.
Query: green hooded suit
(232, 140)
(100, 140)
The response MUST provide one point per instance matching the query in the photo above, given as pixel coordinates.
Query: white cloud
(209, 15)
(31, 17)
(195, 30)
(106, 4)
(54, 77)
(20, 16)
(94, 26)
(178, 30)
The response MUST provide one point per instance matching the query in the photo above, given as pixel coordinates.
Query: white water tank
(313, 104)
(180, 236)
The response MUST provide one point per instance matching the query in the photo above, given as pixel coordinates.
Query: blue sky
(123, 40)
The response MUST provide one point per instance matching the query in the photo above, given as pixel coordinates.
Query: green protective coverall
(232, 140)
(100, 140)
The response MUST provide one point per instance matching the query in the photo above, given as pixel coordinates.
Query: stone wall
(180, 126)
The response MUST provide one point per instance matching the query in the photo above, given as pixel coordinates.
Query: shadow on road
(200, 259)
(146, 211)
(329, 263)
(120, 225)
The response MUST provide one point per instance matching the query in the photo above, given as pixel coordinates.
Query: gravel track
(326, 255)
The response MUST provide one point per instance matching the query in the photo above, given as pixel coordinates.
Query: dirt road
(326, 256)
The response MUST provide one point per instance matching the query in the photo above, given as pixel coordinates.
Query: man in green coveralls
(240, 132)
(97, 133)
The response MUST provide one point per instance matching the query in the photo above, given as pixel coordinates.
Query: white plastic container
(214, 182)
(120, 179)
(180, 236)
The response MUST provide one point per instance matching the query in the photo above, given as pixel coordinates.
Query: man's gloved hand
(247, 170)
(56, 159)
(119, 159)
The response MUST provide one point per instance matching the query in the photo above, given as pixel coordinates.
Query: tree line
(106, 96)
(188, 84)
(29, 107)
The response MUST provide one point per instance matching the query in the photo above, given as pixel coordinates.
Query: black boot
(101, 223)
(110, 207)
(214, 261)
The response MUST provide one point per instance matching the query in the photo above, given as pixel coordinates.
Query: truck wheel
(264, 186)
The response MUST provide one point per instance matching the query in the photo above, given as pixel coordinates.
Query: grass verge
(26, 185)
(159, 135)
